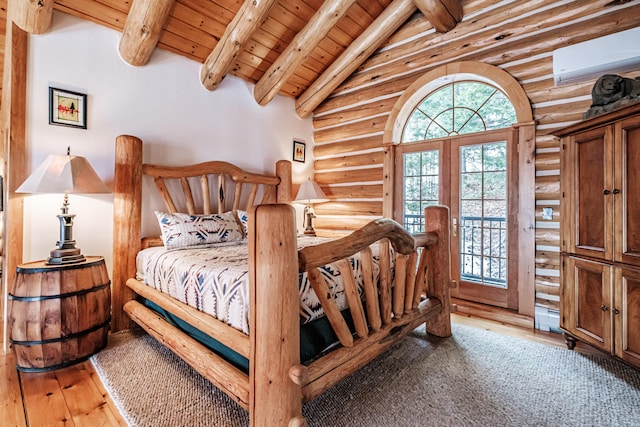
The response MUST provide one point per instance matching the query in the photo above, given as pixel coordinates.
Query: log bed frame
(277, 383)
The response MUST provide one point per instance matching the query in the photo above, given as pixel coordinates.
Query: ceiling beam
(143, 29)
(358, 51)
(33, 16)
(299, 49)
(444, 15)
(244, 24)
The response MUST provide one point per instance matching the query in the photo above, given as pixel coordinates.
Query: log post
(127, 214)
(274, 323)
(439, 268)
(284, 191)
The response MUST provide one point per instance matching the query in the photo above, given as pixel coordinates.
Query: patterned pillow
(180, 230)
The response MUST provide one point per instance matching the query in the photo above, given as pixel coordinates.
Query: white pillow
(180, 230)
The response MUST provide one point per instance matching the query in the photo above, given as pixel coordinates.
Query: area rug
(474, 378)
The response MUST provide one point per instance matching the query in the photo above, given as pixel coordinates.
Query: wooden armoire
(600, 232)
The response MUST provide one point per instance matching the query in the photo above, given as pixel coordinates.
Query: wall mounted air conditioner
(612, 54)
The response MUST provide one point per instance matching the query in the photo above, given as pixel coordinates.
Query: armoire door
(626, 191)
(586, 309)
(589, 194)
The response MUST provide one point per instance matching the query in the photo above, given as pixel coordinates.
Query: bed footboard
(420, 294)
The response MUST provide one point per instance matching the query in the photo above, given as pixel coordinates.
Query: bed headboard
(213, 187)
(210, 187)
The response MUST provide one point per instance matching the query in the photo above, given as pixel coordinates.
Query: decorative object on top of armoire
(600, 233)
(611, 92)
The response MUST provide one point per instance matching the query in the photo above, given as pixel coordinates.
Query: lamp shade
(310, 192)
(64, 174)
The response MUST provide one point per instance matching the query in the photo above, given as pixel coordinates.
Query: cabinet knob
(616, 311)
(606, 192)
(604, 307)
(616, 191)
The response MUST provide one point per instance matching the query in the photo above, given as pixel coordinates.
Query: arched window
(459, 108)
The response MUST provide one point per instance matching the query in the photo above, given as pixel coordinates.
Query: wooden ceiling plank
(33, 16)
(142, 30)
(300, 47)
(93, 11)
(191, 17)
(444, 15)
(361, 48)
(244, 24)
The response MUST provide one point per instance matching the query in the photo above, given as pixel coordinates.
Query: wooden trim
(13, 113)
(526, 218)
(142, 29)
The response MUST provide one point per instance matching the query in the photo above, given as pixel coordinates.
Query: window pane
(471, 186)
(412, 164)
(471, 159)
(495, 185)
(415, 127)
(436, 102)
(474, 125)
(498, 112)
(430, 188)
(495, 156)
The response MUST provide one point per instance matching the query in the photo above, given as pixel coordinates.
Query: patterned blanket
(214, 280)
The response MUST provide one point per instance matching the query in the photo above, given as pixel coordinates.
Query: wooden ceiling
(298, 48)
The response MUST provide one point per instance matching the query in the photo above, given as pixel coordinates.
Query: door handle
(454, 227)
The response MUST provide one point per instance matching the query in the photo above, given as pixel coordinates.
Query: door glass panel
(421, 187)
(483, 213)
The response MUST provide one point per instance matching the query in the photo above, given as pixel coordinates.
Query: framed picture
(67, 108)
(298, 151)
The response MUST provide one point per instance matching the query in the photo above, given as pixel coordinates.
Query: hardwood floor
(74, 396)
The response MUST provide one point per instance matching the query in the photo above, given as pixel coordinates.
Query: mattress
(214, 279)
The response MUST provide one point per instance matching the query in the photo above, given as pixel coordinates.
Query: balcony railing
(483, 247)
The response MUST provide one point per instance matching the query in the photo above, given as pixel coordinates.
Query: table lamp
(309, 193)
(68, 175)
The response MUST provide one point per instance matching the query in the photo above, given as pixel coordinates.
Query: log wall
(517, 36)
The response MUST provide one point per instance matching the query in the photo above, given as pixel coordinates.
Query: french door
(472, 174)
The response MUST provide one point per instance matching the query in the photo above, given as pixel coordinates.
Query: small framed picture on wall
(299, 151)
(67, 108)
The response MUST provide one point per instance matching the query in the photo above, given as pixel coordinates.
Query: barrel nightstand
(59, 314)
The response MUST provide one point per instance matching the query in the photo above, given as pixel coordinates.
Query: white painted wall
(163, 103)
